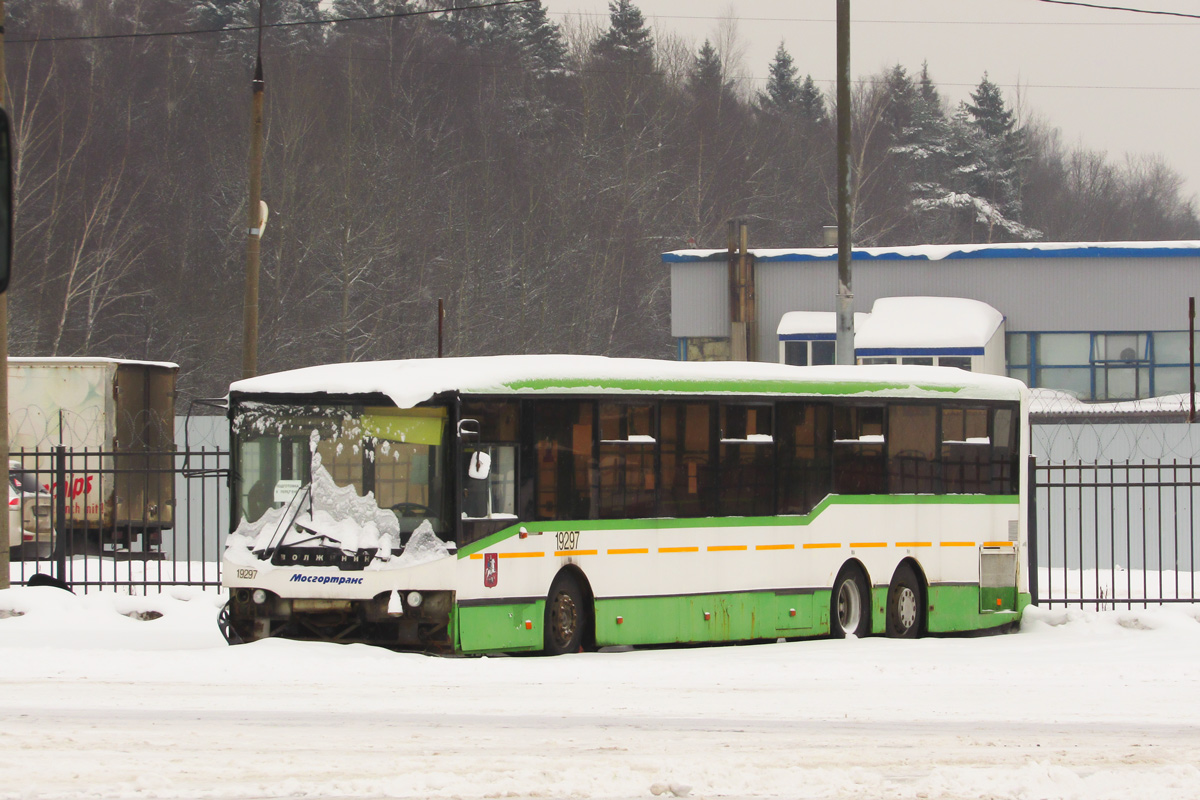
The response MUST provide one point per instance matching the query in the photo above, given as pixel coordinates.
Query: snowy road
(1080, 705)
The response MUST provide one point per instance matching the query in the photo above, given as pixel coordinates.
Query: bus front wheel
(850, 605)
(566, 617)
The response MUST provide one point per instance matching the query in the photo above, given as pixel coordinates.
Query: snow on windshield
(333, 516)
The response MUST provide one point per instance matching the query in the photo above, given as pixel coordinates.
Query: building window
(1121, 364)
(795, 353)
(815, 352)
(824, 352)
(958, 362)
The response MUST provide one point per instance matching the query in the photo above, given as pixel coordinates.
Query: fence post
(1031, 529)
(60, 510)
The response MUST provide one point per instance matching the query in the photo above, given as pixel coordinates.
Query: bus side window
(858, 442)
(489, 496)
(747, 485)
(912, 452)
(1005, 454)
(803, 452)
(966, 447)
(628, 439)
(561, 473)
(687, 479)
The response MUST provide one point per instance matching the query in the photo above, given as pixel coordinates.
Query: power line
(827, 20)
(1121, 8)
(238, 28)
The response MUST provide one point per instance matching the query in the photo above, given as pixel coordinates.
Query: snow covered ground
(100, 699)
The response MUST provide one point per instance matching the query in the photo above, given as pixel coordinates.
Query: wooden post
(254, 217)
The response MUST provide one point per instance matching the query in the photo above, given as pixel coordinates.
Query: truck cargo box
(116, 420)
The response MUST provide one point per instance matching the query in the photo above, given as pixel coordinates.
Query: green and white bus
(553, 503)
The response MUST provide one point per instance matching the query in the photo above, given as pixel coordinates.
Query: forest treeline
(530, 173)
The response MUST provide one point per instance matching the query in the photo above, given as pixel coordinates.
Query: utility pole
(254, 217)
(4, 533)
(845, 297)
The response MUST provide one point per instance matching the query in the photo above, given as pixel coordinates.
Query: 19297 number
(567, 540)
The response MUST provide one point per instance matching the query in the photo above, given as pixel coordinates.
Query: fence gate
(123, 520)
(1113, 535)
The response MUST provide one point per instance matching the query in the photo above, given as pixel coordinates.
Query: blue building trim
(918, 351)
(808, 337)
(992, 251)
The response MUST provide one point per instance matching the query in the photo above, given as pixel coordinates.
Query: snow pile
(1095, 705)
(180, 619)
(423, 547)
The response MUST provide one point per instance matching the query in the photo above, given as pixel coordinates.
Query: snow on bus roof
(410, 382)
(952, 252)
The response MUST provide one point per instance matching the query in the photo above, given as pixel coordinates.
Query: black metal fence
(1114, 535)
(124, 520)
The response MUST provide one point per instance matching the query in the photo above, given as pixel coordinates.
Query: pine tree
(901, 100)
(812, 102)
(627, 38)
(543, 50)
(706, 77)
(989, 111)
(783, 89)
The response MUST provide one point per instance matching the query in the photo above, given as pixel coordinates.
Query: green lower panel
(710, 618)
(1002, 598)
(879, 609)
(953, 609)
(487, 629)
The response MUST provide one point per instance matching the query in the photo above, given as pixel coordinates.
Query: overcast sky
(1113, 81)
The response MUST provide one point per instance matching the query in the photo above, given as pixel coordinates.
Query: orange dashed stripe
(574, 552)
(868, 544)
(774, 547)
(958, 544)
(477, 555)
(724, 548)
(914, 544)
(821, 545)
(628, 551)
(679, 549)
(522, 555)
(998, 544)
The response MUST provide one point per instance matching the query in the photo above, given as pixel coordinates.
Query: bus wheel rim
(849, 606)
(906, 608)
(563, 618)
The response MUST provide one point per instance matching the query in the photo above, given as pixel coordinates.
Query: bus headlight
(414, 599)
(259, 597)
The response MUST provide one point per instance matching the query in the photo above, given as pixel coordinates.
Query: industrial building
(1102, 321)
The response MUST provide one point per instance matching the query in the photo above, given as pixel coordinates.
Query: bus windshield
(395, 458)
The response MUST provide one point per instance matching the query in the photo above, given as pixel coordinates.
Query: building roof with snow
(927, 325)
(1100, 320)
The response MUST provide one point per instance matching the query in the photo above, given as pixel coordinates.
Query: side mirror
(468, 430)
(6, 200)
(480, 466)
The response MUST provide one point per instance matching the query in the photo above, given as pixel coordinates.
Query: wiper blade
(291, 511)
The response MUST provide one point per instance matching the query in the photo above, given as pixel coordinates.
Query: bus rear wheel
(566, 617)
(850, 605)
(904, 606)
